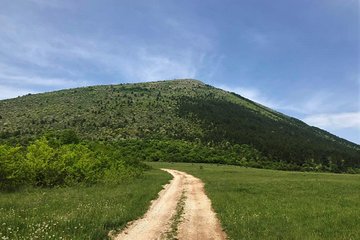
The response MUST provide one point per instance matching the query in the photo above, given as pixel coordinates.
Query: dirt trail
(198, 219)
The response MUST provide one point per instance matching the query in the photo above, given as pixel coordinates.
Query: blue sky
(301, 58)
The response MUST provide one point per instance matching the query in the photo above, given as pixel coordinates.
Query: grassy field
(268, 204)
(251, 204)
(77, 212)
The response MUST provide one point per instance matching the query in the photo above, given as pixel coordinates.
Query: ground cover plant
(77, 212)
(267, 204)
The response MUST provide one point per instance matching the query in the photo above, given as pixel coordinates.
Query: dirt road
(181, 211)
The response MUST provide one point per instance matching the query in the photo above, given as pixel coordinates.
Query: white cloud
(11, 92)
(314, 102)
(320, 101)
(335, 120)
(252, 94)
(147, 66)
(47, 52)
(311, 107)
(39, 81)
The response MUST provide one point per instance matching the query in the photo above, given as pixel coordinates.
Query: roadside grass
(77, 212)
(269, 204)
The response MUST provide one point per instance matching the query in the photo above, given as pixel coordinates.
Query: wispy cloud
(253, 94)
(318, 109)
(12, 92)
(146, 66)
(321, 101)
(51, 58)
(335, 120)
(17, 80)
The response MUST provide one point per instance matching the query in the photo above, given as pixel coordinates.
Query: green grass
(176, 219)
(76, 212)
(251, 204)
(268, 204)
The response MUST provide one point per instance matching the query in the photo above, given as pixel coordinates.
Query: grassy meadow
(251, 204)
(268, 204)
(77, 212)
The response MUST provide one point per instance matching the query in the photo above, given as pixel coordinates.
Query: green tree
(12, 171)
(40, 159)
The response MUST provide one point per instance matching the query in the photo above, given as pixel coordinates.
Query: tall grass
(77, 212)
(269, 204)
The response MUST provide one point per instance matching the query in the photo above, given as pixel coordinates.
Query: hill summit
(179, 110)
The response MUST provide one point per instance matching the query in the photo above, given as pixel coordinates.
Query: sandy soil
(198, 220)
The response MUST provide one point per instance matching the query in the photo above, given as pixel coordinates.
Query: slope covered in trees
(171, 116)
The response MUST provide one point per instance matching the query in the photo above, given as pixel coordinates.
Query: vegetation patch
(176, 219)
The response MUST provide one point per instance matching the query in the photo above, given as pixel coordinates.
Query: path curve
(198, 220)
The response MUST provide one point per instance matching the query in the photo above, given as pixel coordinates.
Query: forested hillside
(179, 118)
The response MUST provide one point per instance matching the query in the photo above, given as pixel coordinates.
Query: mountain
(186, 110)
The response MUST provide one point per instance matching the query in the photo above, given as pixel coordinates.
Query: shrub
(43, 165)
(12, 171)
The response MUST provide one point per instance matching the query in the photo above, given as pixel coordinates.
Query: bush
(42, 165)
(12, 171)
